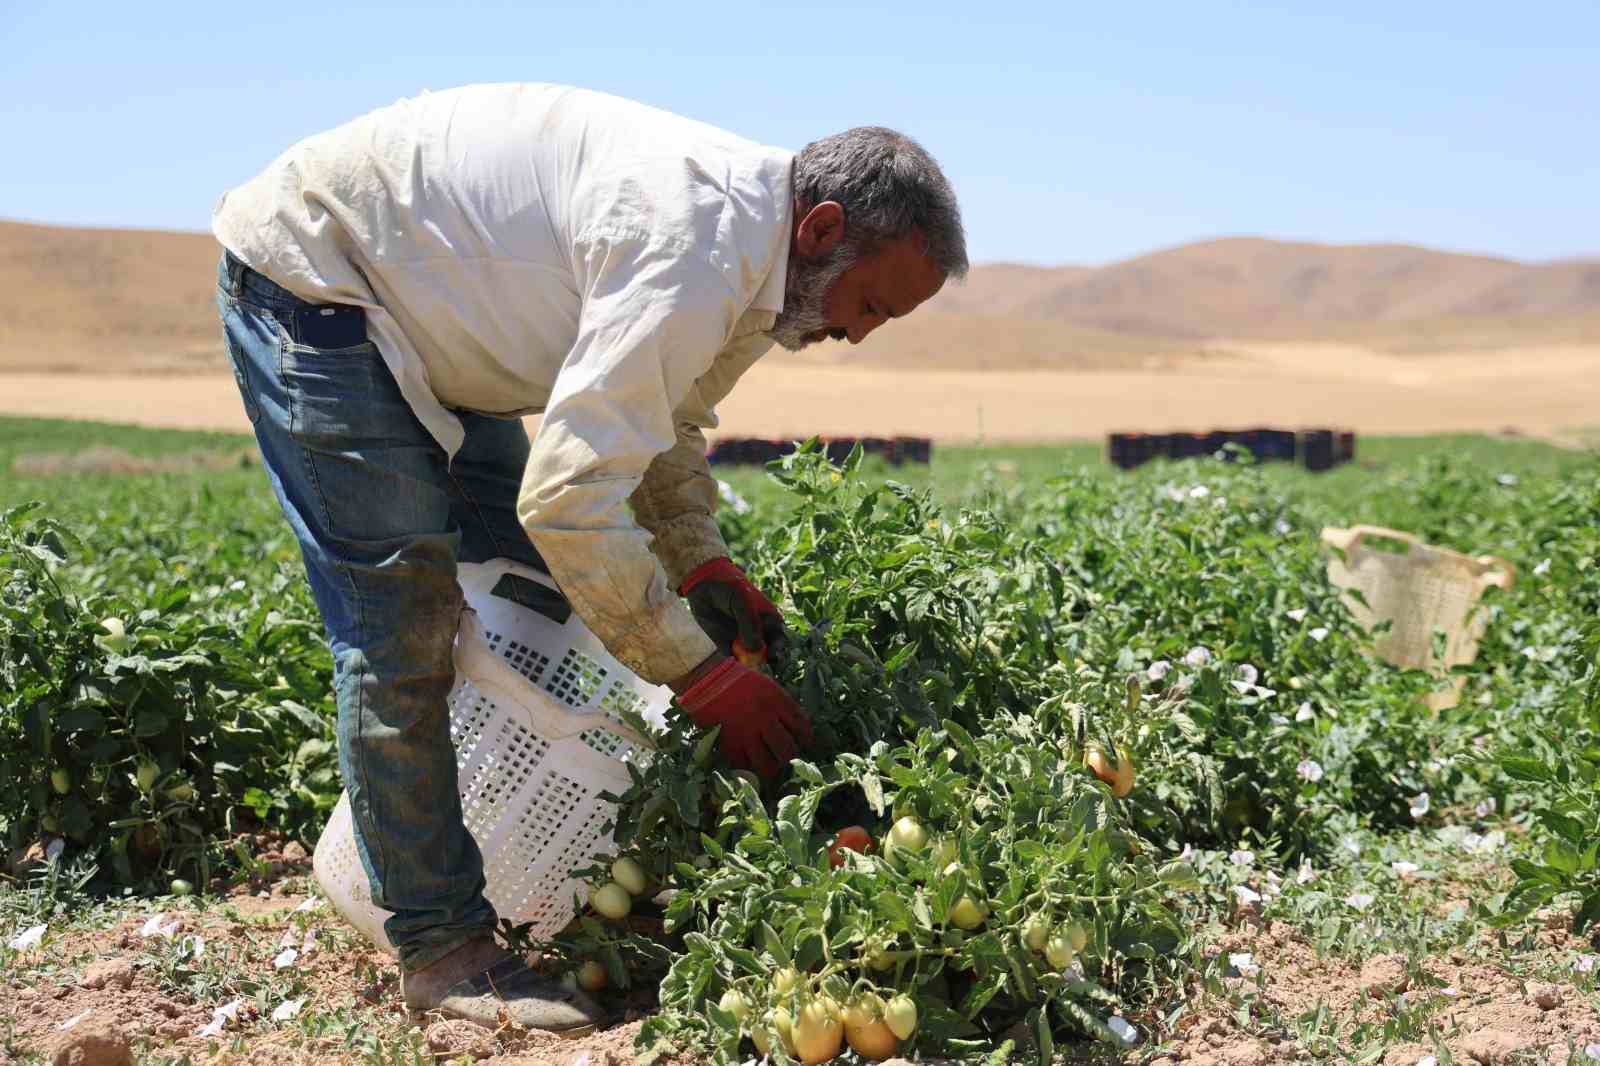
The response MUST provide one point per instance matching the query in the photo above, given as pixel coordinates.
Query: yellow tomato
(1120, 777)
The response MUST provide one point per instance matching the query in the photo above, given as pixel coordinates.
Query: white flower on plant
(1242, 857)
(1246, 895)
(1265, 693)
(309, 944)
(1310, 770)
(1542, 569)
(1247, 673)
(1319, 634)
(1420, 804)
(74, 1020)
(288, 1009)
(1297, 615)
(1187, 853)
(1243, 963)
(1484, 808)
(1158, 670)
(288, 939)
(1122, 1030)
(1199, 492)
(1305, 875)
(1277, 719)
(28, 938)
(1360, 900)
(1243, 688)
(1485, 844)
(192, 946)
(1506, 479)
(1586, 963)
(220, 1017)
(285, 959)
(1404, 869)
(1353, 846)
(1198, 656)
(1304, 713)
(156, 925)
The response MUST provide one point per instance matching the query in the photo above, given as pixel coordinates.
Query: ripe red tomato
(850, 838)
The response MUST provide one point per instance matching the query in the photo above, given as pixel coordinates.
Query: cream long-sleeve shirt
(530, 248)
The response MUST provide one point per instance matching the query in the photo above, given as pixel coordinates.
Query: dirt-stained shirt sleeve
(655, 316)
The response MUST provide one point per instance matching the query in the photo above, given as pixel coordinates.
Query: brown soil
(110, 982)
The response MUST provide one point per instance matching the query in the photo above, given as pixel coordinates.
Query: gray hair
(889, 187)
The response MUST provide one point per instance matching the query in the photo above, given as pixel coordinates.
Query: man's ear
(820, 231)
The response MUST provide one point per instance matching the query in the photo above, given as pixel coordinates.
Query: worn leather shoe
(484, 983)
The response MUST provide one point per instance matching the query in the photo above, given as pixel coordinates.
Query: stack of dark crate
(754, 451)
(1317, 449)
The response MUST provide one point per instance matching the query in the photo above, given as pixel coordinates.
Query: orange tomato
(850, 838)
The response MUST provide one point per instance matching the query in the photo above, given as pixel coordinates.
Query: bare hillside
(139, 300)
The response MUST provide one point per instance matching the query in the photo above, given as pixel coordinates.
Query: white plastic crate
(534, 717)
(1417, 589)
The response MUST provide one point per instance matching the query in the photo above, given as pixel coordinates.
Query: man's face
(839, 294)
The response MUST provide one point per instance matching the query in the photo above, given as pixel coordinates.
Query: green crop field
(1309, 865)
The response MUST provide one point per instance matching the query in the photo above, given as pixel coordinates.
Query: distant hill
(87, 299)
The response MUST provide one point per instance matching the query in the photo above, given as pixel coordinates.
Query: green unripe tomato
(1036, 933)
(908, 834)
(1058, 951)
(116, 634)
(965, 913)
(630, 875)
(611, 900)
(61, 780)
(592, 976)
(180, 887)
(901, 1016)
(734, 1003)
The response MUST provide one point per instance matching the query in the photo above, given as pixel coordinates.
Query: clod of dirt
(1384, 974)
(92, 1043)
(457, 1036)
(107, 973)
(294, 853)
(1545, 997)
(1492, 1047)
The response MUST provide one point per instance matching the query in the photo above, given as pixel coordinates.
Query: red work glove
(762, 726)
(731, 609)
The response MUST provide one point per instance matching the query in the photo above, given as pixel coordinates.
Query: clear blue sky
(1074, 133)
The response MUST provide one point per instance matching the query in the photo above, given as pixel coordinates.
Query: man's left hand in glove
(732, 610)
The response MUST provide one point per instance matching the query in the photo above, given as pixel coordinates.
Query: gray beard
(806, 289)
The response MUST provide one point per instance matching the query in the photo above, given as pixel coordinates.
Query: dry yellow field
(1551, 391)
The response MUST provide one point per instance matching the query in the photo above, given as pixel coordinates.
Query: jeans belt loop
(236, 272)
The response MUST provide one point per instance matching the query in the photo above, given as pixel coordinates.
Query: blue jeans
(382, 518)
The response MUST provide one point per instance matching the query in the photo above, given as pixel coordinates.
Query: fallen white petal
(288, 1009)
(1592, 1051)
(1246, 894)
(152, 926)
(285, 958)
(1123, 1031)
(194, 946)
(1306, 874)
(1304, 713)
(1298, 614)
(288, 939)
(1427, 1060)
(1360, 900)
(1404, 869)
(1243, 962)
(1319, 634)
(309, 944)
(212, 1028)
(1484, 808)
(1450, 990)
(310, 903)
(1542, 569)
(1586, 963)
(29, 937)
(1420, 804)
(76, 1018)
